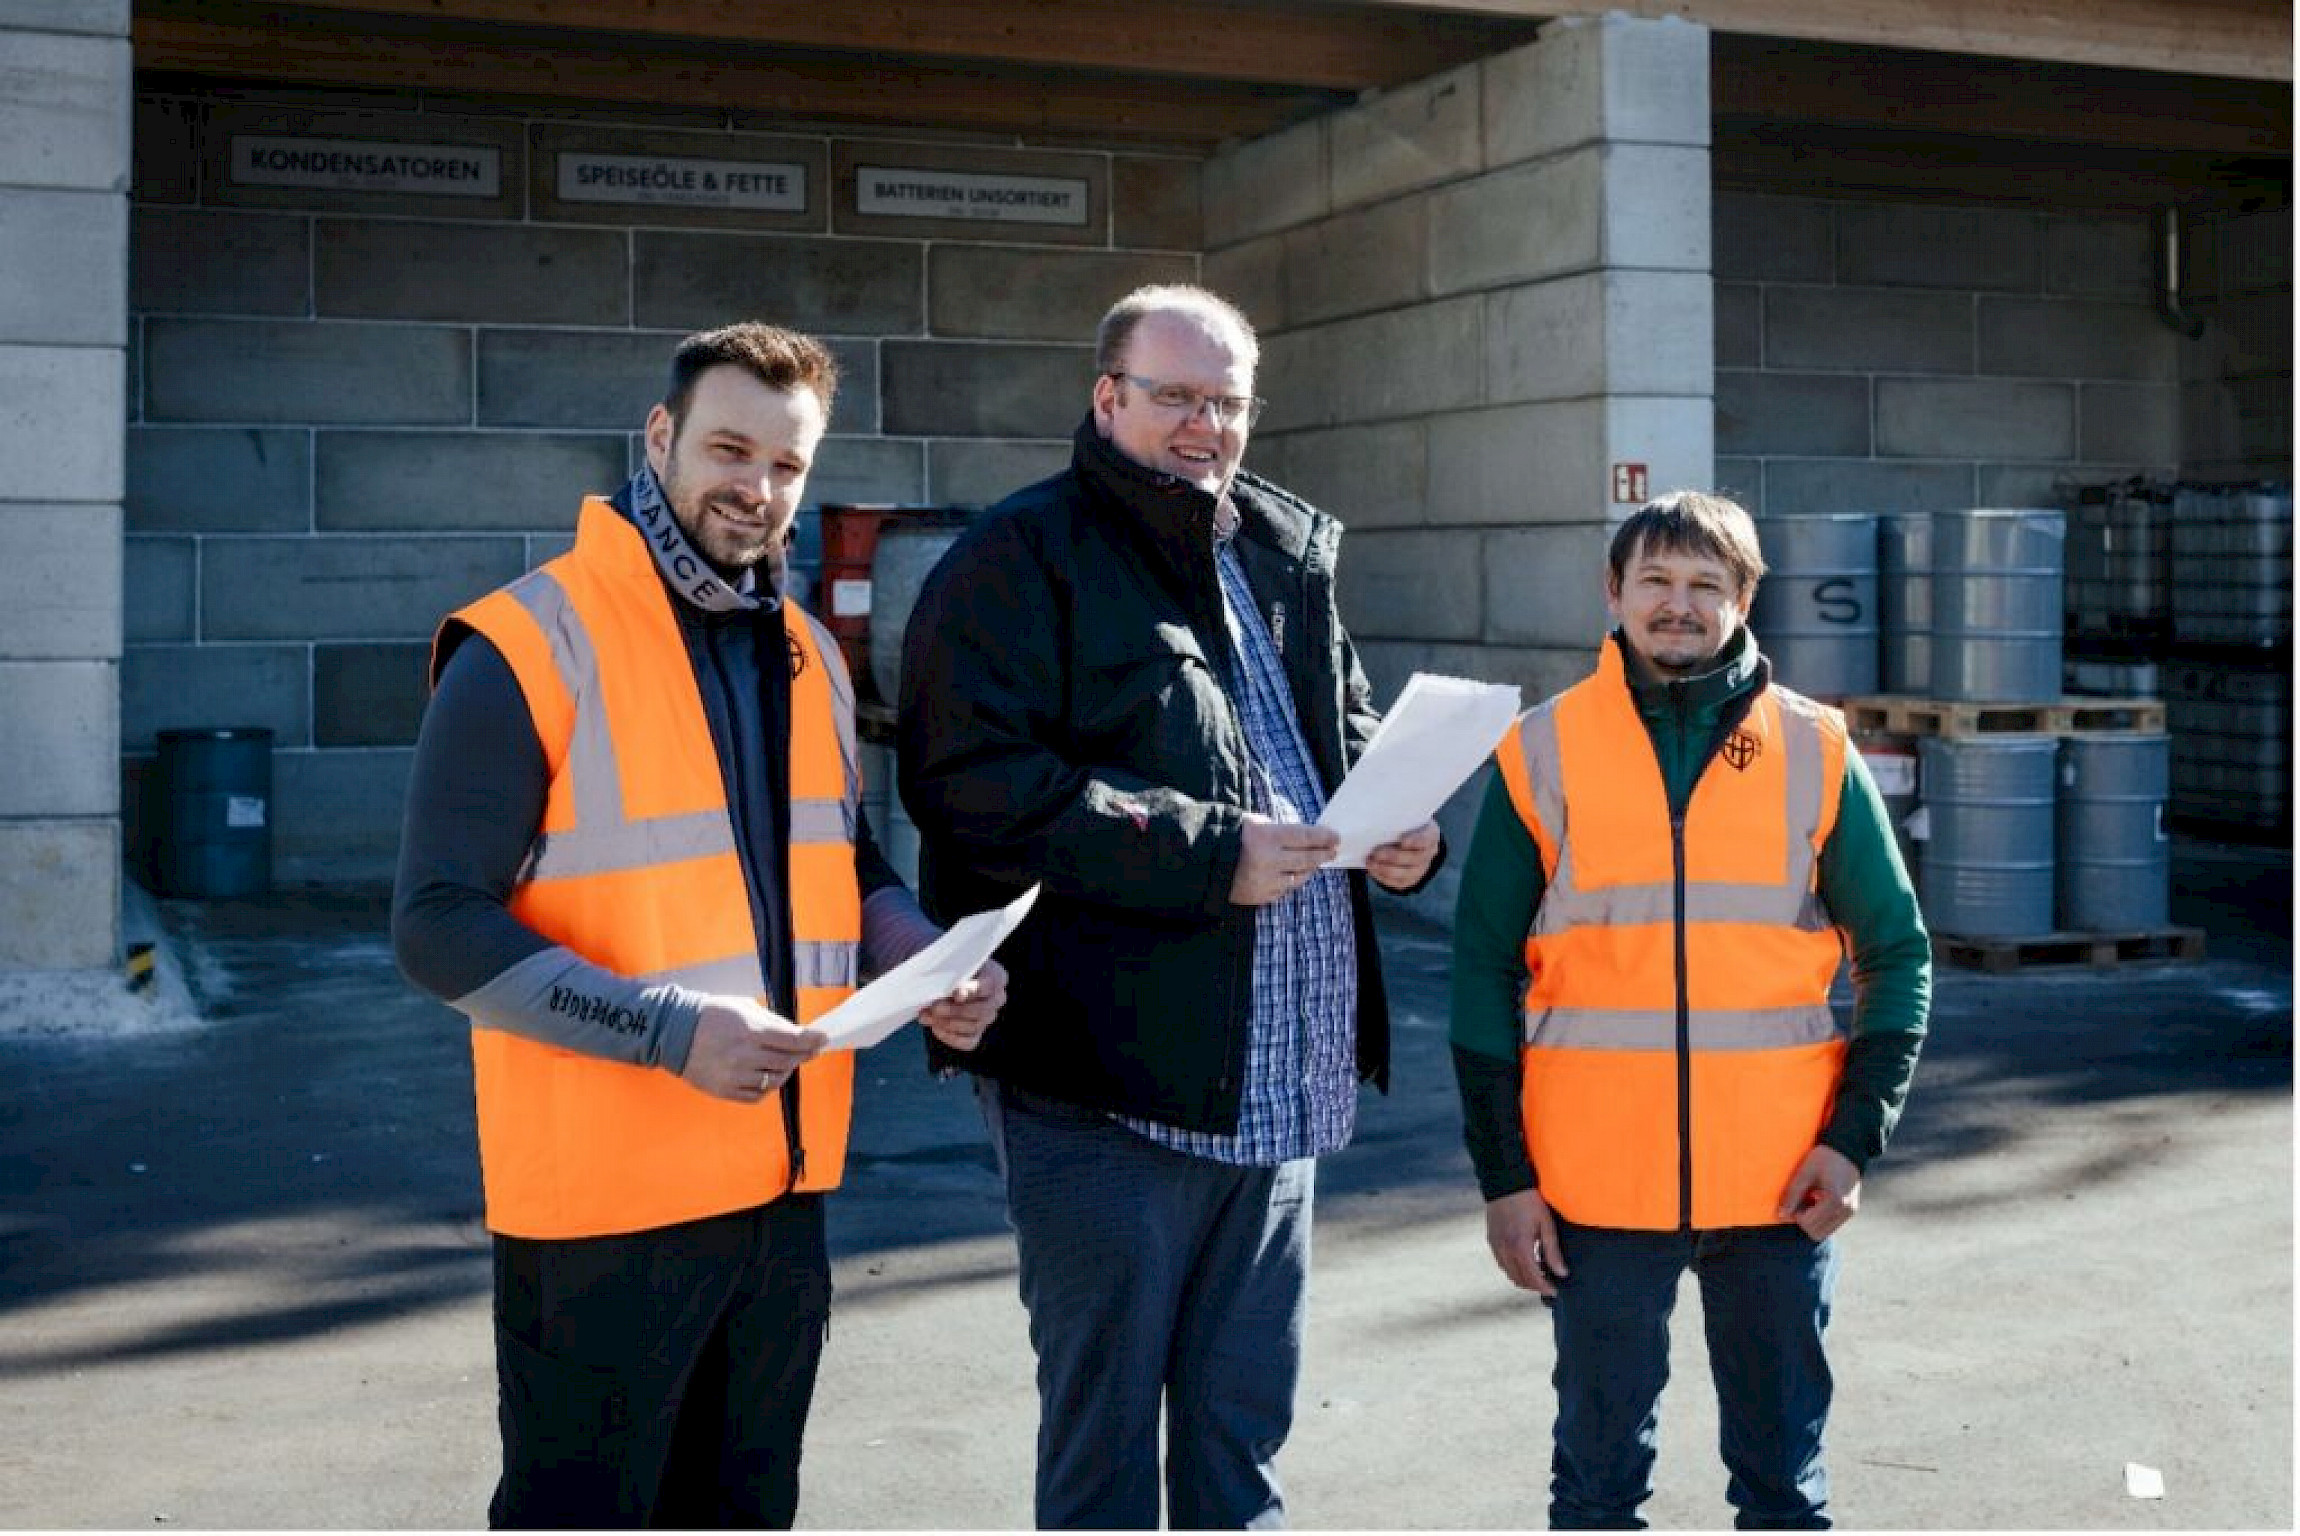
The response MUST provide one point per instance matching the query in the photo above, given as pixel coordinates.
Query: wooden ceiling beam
(892, 91)
(1788, 82)
(1867, 163)
(1290, 42)
(2238, 39)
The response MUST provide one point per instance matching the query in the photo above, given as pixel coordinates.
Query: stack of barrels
(2228, 670)
(2011, 833)
(2185, 590)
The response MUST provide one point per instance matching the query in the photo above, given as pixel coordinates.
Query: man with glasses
(1129, 683)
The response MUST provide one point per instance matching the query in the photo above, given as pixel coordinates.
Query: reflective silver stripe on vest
(1713, 1029)
(823, 963)
(827, 963)
(1793, 903)
(603, 840)
(1801, 735)
(1541, 746)
(736, 975)
(1705, 902)
(598, 782)
(819, 821)
(608, 848)
(843, 721)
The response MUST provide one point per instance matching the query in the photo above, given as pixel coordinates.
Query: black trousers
(660, 1378)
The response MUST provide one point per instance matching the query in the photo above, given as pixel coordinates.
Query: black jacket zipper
(1728, 719)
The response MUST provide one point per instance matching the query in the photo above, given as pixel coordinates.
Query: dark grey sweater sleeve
(475, 798)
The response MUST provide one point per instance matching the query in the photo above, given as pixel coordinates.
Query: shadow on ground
(308, 1152)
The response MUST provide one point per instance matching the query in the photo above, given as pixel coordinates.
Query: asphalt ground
(243, 1281)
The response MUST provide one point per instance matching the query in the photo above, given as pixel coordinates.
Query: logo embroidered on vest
(1741, 749)
(798, 654)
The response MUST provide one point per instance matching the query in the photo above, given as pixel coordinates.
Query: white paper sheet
(1432, 739)
(927, 977)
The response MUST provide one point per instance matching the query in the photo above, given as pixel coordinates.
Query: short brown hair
(1116, 332)
(778, 358)
(1691, 522)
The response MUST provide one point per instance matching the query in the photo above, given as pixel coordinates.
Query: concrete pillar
(1488, 333)
(64, 139)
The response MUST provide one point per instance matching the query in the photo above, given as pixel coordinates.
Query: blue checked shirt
(1300, 1096)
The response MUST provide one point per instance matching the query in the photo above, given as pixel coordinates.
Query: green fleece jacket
(1862, 881)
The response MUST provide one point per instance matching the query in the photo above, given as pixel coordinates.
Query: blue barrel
(2113, 854)
(215, 824)
(1987, 869)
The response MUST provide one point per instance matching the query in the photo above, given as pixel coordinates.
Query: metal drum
(2115, 856)
(1905, 602)
(2119, 562)
(2231, 745)
(1997, 604)
(907, 551)
(2232, 565)
(217, 838)
(1987, 869)
(1892, 763)
(1816, 610)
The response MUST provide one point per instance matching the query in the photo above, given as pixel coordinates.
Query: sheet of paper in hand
(893, 1000)
(1432, 739)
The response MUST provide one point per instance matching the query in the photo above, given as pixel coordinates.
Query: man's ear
(1105, 401)
(662, 430)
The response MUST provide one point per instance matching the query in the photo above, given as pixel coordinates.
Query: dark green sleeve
(1870, 897)
(1501, 885)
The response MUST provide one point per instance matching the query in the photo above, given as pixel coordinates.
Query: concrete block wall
(2236, 378)
(1477, 295)
(1890, 357)
(349, 414)
(64, 165)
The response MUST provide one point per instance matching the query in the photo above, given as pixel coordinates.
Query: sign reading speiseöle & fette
(682, 181)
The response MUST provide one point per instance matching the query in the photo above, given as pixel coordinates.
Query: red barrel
(842, 596)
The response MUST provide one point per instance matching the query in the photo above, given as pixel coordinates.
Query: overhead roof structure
(2088, 103)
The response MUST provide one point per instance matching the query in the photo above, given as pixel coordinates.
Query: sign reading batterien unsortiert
(682, 181)
(902, 193)
(367, 165)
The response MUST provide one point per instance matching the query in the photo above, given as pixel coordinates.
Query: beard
(731, 547)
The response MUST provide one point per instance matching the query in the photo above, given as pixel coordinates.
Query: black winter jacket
(1064, 720)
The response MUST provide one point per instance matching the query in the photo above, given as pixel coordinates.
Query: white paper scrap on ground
(2143, 1482)
(927, 977)
(1432, 739)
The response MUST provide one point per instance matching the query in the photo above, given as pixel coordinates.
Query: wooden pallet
(1899, 715)
(2100, 950)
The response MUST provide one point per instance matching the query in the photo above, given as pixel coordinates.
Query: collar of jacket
(1175, 519)
(696, 587)
(1742, 670)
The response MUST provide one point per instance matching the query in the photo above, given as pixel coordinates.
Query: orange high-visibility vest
(635, 869)
(1616, 1020)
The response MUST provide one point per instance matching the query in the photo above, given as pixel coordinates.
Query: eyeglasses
(1182, 399)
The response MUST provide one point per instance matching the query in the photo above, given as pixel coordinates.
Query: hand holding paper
(926, 978)
(1433, 738)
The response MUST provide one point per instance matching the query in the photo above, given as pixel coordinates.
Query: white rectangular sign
(677, 180)
(898, 192)
(367, 165)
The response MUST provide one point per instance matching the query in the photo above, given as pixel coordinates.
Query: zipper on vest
(1684, 1031)
(1677, 810)
(790, 1098)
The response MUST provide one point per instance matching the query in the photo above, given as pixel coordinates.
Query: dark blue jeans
(1158, 1285)
(1765, 1295)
